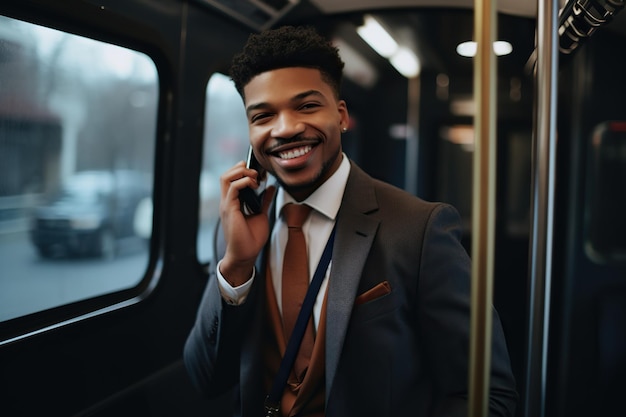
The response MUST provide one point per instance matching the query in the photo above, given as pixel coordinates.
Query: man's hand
(245, 236)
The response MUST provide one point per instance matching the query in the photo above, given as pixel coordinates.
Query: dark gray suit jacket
(403, 354)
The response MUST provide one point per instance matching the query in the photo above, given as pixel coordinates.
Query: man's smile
(295, 153)
(300, 148)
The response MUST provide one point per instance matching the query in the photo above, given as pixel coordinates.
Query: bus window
(225, 144)
(605, 240)
(77, 129)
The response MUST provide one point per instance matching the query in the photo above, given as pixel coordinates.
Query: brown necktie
(296, 282)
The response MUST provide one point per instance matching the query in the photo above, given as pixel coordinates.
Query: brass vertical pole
(483, 208)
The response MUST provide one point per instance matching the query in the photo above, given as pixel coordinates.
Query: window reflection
(225, 143)
(77, 128)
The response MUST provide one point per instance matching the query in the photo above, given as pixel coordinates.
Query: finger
(234, 189)
(237, 177)
(237, 171)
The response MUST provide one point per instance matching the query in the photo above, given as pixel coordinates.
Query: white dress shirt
(325, 202)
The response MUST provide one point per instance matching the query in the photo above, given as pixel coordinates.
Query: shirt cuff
(233, 295)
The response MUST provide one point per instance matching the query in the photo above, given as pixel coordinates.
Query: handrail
(483, 208)
(542, 208)
(580, 19)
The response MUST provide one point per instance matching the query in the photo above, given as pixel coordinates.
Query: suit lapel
(355, 234)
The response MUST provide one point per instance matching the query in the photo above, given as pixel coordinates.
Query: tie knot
(296, 214)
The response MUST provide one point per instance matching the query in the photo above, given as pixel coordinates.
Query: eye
(309, 106)
(259, 117)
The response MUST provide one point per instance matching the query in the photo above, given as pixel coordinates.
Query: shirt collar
(327, 198)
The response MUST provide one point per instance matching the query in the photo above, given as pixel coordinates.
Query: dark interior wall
(587, 364)
(374, 113)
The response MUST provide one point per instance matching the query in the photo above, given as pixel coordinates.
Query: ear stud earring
(344, 129)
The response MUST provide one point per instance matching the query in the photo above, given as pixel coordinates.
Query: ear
(344, 116)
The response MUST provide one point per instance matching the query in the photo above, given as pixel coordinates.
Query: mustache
(300, 138)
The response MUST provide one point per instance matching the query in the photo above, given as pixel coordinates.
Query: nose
(287, 125)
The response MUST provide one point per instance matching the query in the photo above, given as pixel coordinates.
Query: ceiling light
(502, 48)
(405, 61)
(458, 134)
(377, 37)
(468, 48)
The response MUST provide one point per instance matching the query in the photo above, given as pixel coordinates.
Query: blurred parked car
(90, 213)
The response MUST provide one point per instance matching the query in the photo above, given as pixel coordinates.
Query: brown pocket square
(378, 291)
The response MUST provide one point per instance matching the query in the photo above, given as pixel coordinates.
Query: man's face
(295, 126)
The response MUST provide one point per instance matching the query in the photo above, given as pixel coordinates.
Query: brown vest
(306, 398)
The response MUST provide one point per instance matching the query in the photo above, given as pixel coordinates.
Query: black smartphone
(251, 199)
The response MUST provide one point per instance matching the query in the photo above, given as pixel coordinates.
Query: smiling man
(295, 123)
(387, 333)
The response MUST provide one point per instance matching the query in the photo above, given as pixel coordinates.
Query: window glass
(605, 228)
(225, 143)
(77, 128)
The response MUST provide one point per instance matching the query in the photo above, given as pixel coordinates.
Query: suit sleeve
(212, 349)
(444, 318)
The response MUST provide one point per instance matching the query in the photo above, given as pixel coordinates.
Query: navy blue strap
(273, 399)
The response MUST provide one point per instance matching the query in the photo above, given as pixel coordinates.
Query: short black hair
(285, 47)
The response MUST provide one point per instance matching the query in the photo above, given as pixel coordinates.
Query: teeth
(294, 153)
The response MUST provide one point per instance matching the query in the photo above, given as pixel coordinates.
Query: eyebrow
(297, 97)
